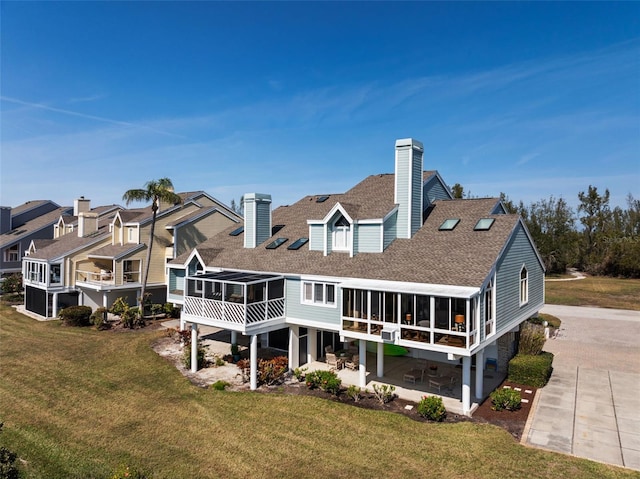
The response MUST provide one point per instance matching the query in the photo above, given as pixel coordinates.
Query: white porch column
(234, 337)
(362, 367)
(480, 374)
(194, 347)
(105, 300)
(312, 345)
(294, 347)
(466, 384)
(54, 313)
(253, 360)
(380, 360)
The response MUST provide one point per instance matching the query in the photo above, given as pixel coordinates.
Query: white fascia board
(314, 324)
(337, 207)
(375, 221)
(196, 254)
(443, 290)
(315, 222)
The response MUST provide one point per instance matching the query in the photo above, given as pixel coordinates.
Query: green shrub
(8, 468)
(506, 398)
(157, 309)
(98, 317)
(531, 339)
(12, 284)
(220, 385)
(171, 311)
(529, 370)
(354, 392)
(432, 408)
(328, 381)
(553, 321)
(119, 306)
(300, 373)
(76, 316)
(384, 392)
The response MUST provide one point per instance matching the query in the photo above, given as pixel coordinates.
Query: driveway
(590, 406)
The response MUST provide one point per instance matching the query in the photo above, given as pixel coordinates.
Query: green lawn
(597, 291)
(78, 403)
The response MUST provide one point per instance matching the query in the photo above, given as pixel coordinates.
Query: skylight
(276, 243)
(449, 224)
(483, 224)
(322, 199)
(297, 244)
(237, 231)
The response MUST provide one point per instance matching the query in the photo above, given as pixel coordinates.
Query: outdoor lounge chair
(333, 360)
(353, 363)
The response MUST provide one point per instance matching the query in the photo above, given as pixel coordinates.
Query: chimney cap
(403, 142)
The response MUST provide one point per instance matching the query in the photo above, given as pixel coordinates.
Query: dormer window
(341, 232)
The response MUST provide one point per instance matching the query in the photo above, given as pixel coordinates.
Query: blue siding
(434, 190)
(390, 231)
(368, 238)
(294, 308)
(519, 252)
(316, 240)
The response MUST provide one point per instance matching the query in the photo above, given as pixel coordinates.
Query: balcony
(98, 278)
(239, 301)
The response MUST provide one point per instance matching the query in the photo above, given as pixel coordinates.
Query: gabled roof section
(30, 227)
(29, 205)
(69, 244)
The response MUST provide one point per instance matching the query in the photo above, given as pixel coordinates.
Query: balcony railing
(93, 277)
(232, 312)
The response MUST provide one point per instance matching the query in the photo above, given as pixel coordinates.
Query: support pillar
(234, 337)
(54, 312)
(362, 367)
(480, 374)
(253, 360)
(294, 347)
(194, 347)
(380, 360)
(466, 385)
(105, 300)
(312, 345)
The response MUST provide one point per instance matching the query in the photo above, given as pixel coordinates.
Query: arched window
(341, 232)
(524, 286)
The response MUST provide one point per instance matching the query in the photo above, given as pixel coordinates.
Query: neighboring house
(393, 261)
(19, 226)
(105, 258)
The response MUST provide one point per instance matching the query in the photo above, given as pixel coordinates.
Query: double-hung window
(319, 294)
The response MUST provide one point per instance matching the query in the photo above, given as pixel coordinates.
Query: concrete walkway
(590, 406)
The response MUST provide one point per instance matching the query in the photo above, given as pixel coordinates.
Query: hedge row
(530, 370)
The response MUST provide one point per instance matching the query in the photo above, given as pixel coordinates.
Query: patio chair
(328, 349)
(413, 375)
(353, 363)
(333, 360)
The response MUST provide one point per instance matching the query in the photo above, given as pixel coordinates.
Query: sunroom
(238, 301)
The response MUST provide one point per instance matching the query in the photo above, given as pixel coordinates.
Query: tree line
(594, 238)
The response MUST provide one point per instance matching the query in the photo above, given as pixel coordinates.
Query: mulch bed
(512, 421)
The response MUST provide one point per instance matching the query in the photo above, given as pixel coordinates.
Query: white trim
(415, 288)
(312, 301)
(523, 298)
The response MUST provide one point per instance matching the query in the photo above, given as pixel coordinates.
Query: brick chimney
(408, 186)
(257, 219)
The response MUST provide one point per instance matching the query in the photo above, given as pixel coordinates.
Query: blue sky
(529, 99)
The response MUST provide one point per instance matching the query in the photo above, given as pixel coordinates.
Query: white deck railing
(234, 312)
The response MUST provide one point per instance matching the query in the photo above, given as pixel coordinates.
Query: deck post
(294, 347)
(466, 385)
(480, 374)
(54, 312)
(194, 347)
(254, 362)
(312, 345)
(362, 367)
(380, 360)
(234, 337)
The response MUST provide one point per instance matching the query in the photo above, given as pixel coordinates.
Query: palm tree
(154, 191)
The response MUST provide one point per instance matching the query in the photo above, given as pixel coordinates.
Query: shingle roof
(29, 205)
(116, 250)
(70, 242)
(196, 214)
(31, 226)
(460, 257)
